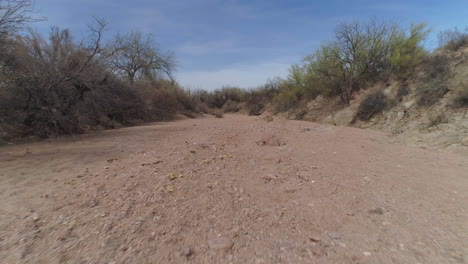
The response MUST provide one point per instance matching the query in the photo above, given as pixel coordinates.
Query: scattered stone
(378, 211)
(173, 176)
(111, 160)
(35, 217)
(220, 243)
(170, 188)
(187, 252)
(270, 140)
(366, 253)
(290, 190)
(314, 238)
(151, 163)
(335, 235)
(152, 236)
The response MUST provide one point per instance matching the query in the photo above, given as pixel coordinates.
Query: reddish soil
(232, 190)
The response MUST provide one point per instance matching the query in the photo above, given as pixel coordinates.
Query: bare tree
(137, 56)
(14, 14)
(362, 50)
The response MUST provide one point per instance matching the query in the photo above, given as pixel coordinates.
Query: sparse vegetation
(461, 98)
(432, 91)
(453, 39)
(360, 55)
(373, 104)
(402, 91)
(434, 86)
(61, 85)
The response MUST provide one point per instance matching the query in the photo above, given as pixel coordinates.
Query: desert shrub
(453, 39)
(373, 104)
(257, 99)
(436, 119)
(402, 91)
(255, 104)
(431, 91)
(218, 113)
(286, 99)
(360, 54)
(57, 86)
(231, 106)
(437, 66)
(217, 98)
(461, 97)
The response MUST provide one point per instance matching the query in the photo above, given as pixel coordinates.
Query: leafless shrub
(432, 91)
(453, 39)
(14, 14)
(136, 56)
(371, 105)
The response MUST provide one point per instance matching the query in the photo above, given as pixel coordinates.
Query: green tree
(407, 51)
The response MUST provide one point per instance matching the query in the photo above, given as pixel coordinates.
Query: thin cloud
(245, 76)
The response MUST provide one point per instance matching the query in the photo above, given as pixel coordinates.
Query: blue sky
(242, 42)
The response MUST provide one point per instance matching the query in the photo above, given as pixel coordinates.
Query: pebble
(335, 235)
(220, 243)
(314, 238)
(187, 252)
(35, 217)
(366, 253)
(376, 211)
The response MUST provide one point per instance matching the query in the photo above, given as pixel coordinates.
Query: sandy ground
(232, 190)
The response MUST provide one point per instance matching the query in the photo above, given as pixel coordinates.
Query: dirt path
(232, 190)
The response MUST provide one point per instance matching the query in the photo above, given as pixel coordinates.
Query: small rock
(335, 235)
(174, 176)
(376, 211)
(366, 253)
(314, 238)
(152, 236)
(270, 140)
(220, 243)
(170, 188)
(35, 217)
(187, 252)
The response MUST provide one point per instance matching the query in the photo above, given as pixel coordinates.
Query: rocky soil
(232, 190)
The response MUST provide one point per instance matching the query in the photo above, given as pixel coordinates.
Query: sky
(242, 42)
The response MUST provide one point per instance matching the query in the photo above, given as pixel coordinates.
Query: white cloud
(244, 76)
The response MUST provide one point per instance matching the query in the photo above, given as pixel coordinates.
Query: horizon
(241, 43)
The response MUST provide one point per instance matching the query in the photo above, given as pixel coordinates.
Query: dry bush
(453, 40)
(373, 104)
(231, 107)
(402, 91)
(432, 91)
(62, 86)
(257, 99)
(436, 119)
(461, 98)
(434, 86)
(436, 66)
(217, 113)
